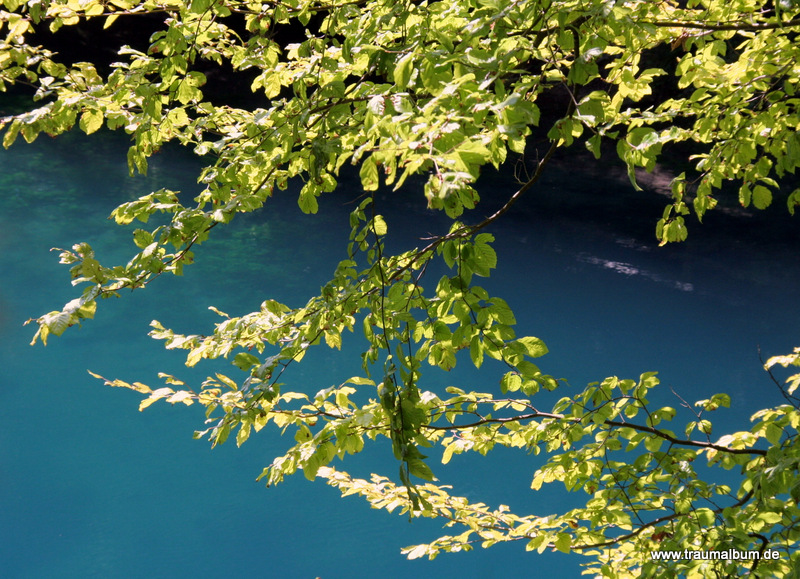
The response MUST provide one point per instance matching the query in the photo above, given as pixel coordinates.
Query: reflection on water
(631, 270)
(106, 491)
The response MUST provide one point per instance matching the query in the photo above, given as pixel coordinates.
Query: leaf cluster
(442, 90)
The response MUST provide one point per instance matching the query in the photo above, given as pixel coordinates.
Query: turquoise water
(90, 487)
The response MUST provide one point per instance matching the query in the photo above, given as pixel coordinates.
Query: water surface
(90, 487)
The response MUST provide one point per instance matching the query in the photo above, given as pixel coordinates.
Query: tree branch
(612, 423)
(735, 27)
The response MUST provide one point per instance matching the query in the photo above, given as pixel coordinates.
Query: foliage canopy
(443, 89)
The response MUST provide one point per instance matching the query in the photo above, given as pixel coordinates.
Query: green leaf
(762, 197)
(448, 453)
(311, 468)
(58, 322)
(705, 517)
(653, 443)
(511, 382)
(563, 542)
(485, 257)
(770, 518)
(417, 552)
(245, 361)
(773, 433)
(418, 468)
(379, 225)
(745, 195)
(360, 381)
(476, 351)
(403, 70)
(369, 174)
(91, 120)
(303, 434)
(308, 201)
(243, 434)
(534, 347)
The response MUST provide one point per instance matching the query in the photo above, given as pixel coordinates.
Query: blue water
(90, 487)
